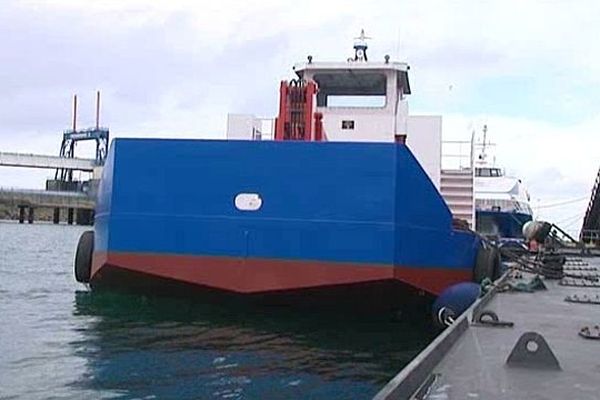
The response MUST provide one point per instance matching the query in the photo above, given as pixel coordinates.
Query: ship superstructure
(357, 100)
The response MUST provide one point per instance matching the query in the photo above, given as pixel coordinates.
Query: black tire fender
(487, 263)
(83, 257)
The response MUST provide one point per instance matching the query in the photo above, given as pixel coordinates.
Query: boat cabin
(360, 100)
(356, 100)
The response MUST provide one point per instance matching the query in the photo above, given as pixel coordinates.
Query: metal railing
(457, 154)
(267, 131)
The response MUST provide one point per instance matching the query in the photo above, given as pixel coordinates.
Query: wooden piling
(21, 214)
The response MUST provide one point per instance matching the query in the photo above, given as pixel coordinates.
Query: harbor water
(60, 341)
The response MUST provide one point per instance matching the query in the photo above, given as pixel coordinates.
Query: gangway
(8, 159)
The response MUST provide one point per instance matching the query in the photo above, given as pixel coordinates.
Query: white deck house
(366, 101)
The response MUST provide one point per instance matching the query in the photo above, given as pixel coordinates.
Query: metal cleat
(568, 267)
(590, 276)
(590, 332)
(578, 282)
(490, 319)
(583, 298)
(576, 263)
(532, 351)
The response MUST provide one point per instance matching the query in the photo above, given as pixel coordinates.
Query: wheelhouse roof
(359, 67)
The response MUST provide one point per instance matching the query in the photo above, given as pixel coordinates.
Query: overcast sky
(529, 70)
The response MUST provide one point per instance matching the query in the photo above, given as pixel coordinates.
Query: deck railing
(457, 154)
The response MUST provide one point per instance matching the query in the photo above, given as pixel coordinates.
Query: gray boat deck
(469, 361)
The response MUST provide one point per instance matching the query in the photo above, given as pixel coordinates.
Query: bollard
(70, 216)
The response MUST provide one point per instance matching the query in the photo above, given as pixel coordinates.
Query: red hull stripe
(263, 275)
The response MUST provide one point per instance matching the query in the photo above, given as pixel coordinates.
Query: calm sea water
(60, 341)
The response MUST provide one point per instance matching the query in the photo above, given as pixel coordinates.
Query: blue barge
(337, 201)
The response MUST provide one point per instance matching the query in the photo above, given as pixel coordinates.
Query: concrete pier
(79, 205)
(46, 198)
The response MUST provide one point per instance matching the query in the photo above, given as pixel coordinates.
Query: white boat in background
(501, 201)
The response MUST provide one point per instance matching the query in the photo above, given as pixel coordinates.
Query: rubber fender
(83, 257)
(454, 301)
(487, 264)
(496, 260)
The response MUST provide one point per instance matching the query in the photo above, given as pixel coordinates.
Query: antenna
(74, 112)
(473, 149)
(362, 36)
(398, 45)
(360, 46)
(97, 110)
(484, 140)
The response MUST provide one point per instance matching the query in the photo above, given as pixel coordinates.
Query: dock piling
(21, 214)
(84, 217)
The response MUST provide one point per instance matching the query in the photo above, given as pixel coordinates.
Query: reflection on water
(184, 349)
(58, 340)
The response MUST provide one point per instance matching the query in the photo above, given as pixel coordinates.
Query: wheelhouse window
(355, 89)
(488, 172)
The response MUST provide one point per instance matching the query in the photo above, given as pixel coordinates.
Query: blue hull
(320, 214)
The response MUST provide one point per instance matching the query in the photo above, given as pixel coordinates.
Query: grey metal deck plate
(475, 366)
